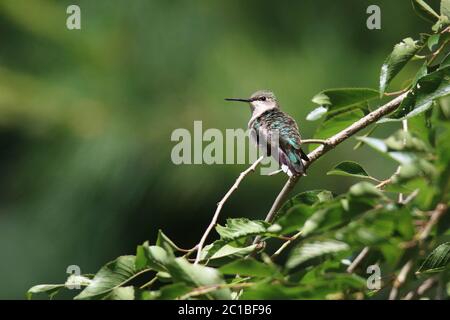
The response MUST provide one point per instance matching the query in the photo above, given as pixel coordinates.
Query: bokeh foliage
(399, 224)
(86, 116)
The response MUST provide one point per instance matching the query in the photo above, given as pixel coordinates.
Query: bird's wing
(288, 131)
(286, 128)
(290, 136)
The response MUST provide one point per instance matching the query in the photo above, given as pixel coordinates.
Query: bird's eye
(262, 98)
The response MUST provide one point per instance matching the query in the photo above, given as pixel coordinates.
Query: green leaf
(399, 141)
(268, 291)
(290, 209)
(311, 198)
(445, 62)
(333, 286)
(401, 54)
(417, 169)
(423, 71)
(335, 101)
(375, 227)
(444, 163)
(50, 289)
(219, 249)
(445, 8)
(121, 293)
(433, 40)
(241, 228)
(153, 257)
(313, 250)
(404, 141)
(359, 144)
(323, 219)
(248, 267)
(72, 282)
(349, 169)
(424, 10)
(381, 146)
(164, 276)
(337, 123)
(375, 143)
(76, 281)
(344, 97)
(294, 219)
(196, 275)
(437, 260)
(317, 113)
(405, 149)
(163, 241)
(364, 189)
(337, 213)
(420, 99)
(111, 276)
(172, 291)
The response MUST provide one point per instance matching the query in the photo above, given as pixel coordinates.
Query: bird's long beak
(238, 99)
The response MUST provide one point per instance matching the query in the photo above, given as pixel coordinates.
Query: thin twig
(184, 250)
(446, 30)
(383, 183)
(358, 259)
(220, 205)
(285, 245)
(441, 208)
(290, 184)
(315, 141)
(411, 196)
(438, 212)
(405, 130)
(425, 286)
(278, 202)
(436, 53)
(395, 93)
(400, 280)
(148, 284)
(275, 172)
(206, 289)
(325, 146)
(331, 143)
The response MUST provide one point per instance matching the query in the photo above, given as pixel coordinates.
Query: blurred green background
(86, 116)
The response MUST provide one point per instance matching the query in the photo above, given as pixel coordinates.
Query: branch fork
(325, 146)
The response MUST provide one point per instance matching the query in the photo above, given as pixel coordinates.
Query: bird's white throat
(259, 107)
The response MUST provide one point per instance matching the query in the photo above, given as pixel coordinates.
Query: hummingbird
(268, 121)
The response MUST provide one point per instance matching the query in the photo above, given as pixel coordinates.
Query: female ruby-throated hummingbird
(267, 122)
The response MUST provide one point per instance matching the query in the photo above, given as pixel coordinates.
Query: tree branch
(285, 245)
(331, 143)
(400, 280)
(220, 205)
(326, 145)
(207, 289)
(441, 208)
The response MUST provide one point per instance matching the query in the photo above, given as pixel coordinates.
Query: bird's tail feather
(291, 162)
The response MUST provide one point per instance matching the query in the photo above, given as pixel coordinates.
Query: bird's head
(261, 100)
